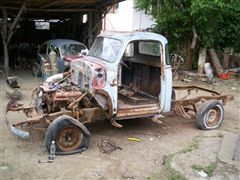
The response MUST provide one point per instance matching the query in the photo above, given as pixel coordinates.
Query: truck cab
(129, 73)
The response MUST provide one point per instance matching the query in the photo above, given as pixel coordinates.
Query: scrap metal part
(34, 117)
(13, 88)
(13, 105)
(107, 146)
(181, 105)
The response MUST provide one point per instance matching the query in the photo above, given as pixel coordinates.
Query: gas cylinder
(208, 70)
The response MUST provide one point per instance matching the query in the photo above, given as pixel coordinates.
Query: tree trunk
(194, 39)
(202, 60)
(191, 50)
(215, 61)
(226, 58)
(189, 58)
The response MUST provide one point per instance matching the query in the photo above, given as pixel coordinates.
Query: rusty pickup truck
(124, 76)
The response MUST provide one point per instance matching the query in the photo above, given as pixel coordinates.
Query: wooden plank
(3, 2)
(67, 2)
(48, 10)
(49, 4)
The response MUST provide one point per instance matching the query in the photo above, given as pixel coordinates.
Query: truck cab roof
(134, 36)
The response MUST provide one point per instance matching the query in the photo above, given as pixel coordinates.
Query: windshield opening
(72, 49)
(106, 49)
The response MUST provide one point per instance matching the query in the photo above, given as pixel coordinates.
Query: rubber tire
(205, 107)
(36, 66)
(57, 125)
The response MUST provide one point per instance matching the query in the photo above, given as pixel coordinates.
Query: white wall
(127, 18)
(142, 20)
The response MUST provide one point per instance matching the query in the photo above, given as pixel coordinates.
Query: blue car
(66, 50)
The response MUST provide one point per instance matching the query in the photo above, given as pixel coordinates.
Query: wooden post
(98, 18)
(90, 27)
(97, 21)
(7, 34)
(4, 40)
(14, 24)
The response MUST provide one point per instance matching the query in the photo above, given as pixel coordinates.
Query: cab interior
(139, 75)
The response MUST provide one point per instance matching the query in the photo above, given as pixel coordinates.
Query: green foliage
(193, 145)
(208, 169)
(167, 172)
(217, 22)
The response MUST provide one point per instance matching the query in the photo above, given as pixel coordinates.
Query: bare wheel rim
(69, 138)
(213, 117)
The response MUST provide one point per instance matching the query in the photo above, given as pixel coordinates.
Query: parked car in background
(66, 50)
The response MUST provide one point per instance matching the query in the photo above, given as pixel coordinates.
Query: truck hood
(91, 60)
(70, 58)
(88, 73)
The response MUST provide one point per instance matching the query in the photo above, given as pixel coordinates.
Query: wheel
(70, 135)
(36, 70)
(210, 115)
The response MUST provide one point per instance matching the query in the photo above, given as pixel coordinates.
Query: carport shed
(35, 21)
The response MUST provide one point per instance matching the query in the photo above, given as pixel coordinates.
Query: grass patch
(208, 169)
(4, 166)
(168, 173)
(191, 146)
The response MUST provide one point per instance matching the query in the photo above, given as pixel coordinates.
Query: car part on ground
(107, 146)
(13, 88)
(70, 135)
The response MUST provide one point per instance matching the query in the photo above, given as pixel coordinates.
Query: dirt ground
(167, 150)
